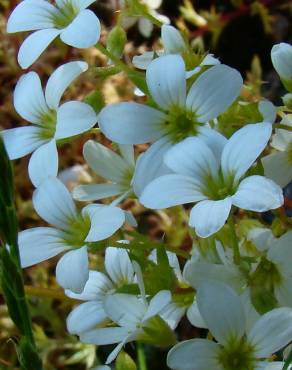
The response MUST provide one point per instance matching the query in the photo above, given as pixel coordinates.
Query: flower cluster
(236, 282)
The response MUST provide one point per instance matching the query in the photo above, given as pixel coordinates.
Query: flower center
(67, 12)
(49, 121)
(127, 179)
(237, 354)
(180, 124)
(78, 231)
(219, 188)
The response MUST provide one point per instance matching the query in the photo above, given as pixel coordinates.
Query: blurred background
(240, 33)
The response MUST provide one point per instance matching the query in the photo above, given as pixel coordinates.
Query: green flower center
(77, 232)
(49, 121)
(237, 355)
(219, 188)
(65, 14)
(127, 179)
(180, 124)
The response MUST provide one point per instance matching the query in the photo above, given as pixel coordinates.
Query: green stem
(281, 126)
(113, 58)
(234, 240)
(141, 357)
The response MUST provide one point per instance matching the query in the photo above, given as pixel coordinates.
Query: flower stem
(141, 357)
(234, 240)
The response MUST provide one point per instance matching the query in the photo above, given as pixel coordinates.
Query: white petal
(72, 270)
(124, 309)
(82, 4)
(172, 40)
(213, 139)
(192, 157)
(53, 202)
(112, 356)
(96, 191)
(128, 153)
(194, 354)
(194, 316)
(150, 165)
(28, 98)
(243, 148)
(21, 141)
(104, 336)
(278, 168)
(214, 91)
(272, 332)
(262, 238)
(83, 32)
(97, 285)
(281, 252)
(281, 59)
(258, 194)
(145, 27)
(85, 317)
(131, 123)
(208, 216)
(142, 61)
(268, 111)
(172, 314)
(34, 45)
(118, 266)
(197, 273)
(74, 118)
(39, 244)
(43, 163)
(171, 190)
(222, 311)
(105, 221)
(283, 292)
(166, 81)
(60, 79)
(157, 304)
(31, 15)
(105, 162)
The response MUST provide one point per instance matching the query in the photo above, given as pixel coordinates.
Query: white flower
(173, 43)
(213, 179)
(180, 113)
(145, 26)
(278, 165)
(118, 272)
(51, 121)
(71, 233)
(69, 19)
(131, 313)
(281, 55)
(125, 176)
(274, 268)
(238, 347)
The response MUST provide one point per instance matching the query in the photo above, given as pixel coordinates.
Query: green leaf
(116, 41)
(28, 356)
(125, 362)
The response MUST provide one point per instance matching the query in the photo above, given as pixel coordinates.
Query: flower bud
(281, 55)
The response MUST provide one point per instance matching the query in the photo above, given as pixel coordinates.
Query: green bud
(287, 100)
(156, 332)
(125, 362)
(116, 41)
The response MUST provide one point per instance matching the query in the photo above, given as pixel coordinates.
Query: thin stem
(112, 57)
(281, 126)
(141, 357)
(47, 293)
(234, 240)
